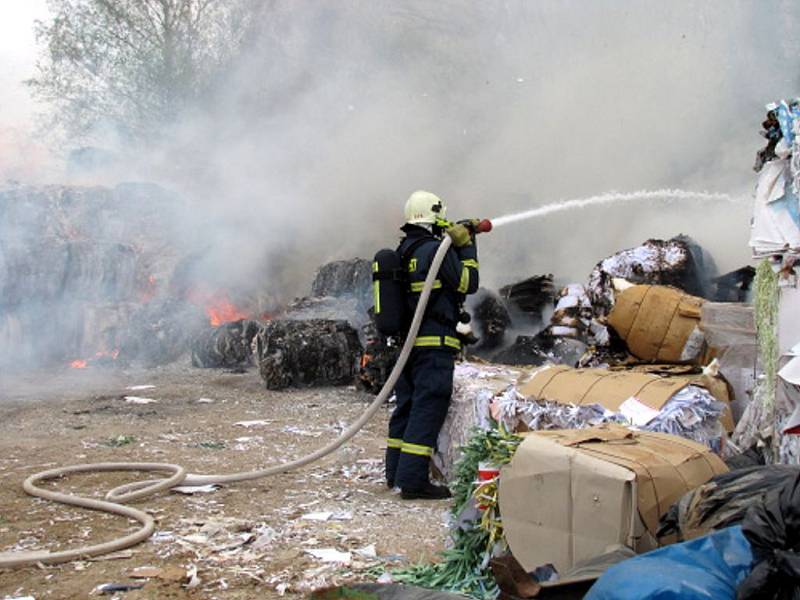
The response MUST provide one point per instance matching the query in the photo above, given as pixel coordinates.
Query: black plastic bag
(773, 529)
(723, 501)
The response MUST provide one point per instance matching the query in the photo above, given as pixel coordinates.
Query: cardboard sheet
(568, 495)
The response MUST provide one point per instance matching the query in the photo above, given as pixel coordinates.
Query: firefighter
(426, 384)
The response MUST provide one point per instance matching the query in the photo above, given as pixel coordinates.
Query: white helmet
(424, 207)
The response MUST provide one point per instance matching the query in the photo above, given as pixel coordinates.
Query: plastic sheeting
(772, 528)
(708, 568)
(776, 217)
(724, 500)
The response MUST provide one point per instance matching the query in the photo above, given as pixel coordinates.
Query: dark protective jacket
(458, 276)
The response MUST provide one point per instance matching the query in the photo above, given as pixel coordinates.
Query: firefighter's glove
(472, 224)
(460, 234)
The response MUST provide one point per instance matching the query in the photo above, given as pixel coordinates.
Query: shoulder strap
(406, 256)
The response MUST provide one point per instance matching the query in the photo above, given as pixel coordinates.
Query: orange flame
(81, 363)
(148, 289)
(224, 311)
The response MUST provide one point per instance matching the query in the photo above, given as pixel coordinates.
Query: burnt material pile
(344, 278)
(492, 319)
(678, 262)
(530, 296)
(307, 352)
(228, 345)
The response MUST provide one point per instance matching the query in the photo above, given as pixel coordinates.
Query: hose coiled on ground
(142, 489)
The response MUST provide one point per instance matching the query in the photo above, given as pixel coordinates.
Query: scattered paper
(205, 401)
(637, 413)
(367, 551)
(139, 400)
(331, 555)
(344, 515)
(195, 489)
(317, 516)
(136, 388)
(145, 572)
(256, 423)
(385, 578)
(191, 575)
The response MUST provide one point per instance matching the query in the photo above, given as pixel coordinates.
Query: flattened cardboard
(610, 389)
(568, 495)
(655, 321)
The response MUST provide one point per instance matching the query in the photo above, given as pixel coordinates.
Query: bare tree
(134, 65)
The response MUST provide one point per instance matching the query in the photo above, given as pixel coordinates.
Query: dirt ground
(247, 540)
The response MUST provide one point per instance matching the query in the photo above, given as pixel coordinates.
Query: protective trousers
(423, 397)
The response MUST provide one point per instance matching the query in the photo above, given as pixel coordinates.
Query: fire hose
(141, 489)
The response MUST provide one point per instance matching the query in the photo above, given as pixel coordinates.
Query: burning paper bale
(380, 356)
(228, 345)
(305, 353)
(160, 332)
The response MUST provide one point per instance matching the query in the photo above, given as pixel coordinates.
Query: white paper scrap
(791, 371)
(367, 551)
(139, 400)
(205, 401)
(195, 489)
(317, 516)
(137, 388)
(331, 555)
(256, 423)
(639, 414)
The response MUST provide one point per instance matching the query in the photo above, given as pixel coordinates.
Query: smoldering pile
(81, 271)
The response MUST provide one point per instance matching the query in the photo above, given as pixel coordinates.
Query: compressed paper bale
(344, 278)
(659, 323)
(306, 353)
(228, 345)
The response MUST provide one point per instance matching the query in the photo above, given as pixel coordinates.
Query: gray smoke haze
(339, 110)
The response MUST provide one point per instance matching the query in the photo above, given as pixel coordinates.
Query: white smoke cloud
(339, 110)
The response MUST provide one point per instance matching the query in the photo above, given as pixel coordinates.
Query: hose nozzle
(483, 226)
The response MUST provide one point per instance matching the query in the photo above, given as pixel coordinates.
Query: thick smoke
(338, 111)
(335, 112)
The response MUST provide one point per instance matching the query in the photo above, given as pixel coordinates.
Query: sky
(17, 57)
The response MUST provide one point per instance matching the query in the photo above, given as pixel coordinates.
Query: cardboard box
(659, 323)
(568, 495)
(610, 389)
